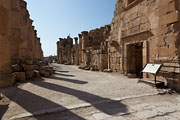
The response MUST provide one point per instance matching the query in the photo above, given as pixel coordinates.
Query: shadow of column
(34, 103)
(69, 80)
(3, 109)
(87, 97)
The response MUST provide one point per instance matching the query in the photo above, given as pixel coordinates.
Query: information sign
(152, 68)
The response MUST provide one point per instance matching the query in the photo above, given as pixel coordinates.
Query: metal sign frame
(156, 72)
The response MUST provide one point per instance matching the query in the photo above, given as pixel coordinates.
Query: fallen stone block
(81, 67)
(107, 70)
(20, 76)
(29, 74)
(44, 73)
(37, 74)
(16, 68)
(50, 71)
(28, 61)
(35, 62)
(87, 68)
(28, 67)
(94, 69)
(35, 67)
(132, 75)
(68, 63)
(43, 63)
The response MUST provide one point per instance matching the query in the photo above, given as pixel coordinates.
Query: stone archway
(136, 30)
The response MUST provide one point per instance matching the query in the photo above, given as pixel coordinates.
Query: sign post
(151, 68)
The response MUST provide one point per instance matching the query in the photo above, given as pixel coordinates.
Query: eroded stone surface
(19, 44)
(141, 32)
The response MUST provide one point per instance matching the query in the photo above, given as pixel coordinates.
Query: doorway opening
(135, 58)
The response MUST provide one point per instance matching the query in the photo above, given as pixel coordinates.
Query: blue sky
(59, 18)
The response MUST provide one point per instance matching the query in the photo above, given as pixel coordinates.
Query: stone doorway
(135, 58)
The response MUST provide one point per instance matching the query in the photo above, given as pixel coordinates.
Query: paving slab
(167, 117)
(101, 116)
(175, 114)
(163, 110)
(71, 89)
(116, 118)
(146, 114)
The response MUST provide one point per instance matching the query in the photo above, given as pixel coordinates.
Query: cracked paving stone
(164, 109)
(101, 116)
(158, 104)
(164, 118)
(141, 107)
(119, 111)
(178, 106)
(176, 114)
(178, 99)
(146, 114)
(89, 118)
(116, 118)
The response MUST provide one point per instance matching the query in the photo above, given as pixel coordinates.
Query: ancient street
(74, 94)
(90, 60)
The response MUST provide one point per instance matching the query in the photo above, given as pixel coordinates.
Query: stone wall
(65, 49)
(90, 52)
(93, 48)
(146, 31)
(142, 31)
(99, 48)
(24, 41)
(19, 43)
(5, 71)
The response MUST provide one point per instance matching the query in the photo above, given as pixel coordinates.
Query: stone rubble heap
(27, 70)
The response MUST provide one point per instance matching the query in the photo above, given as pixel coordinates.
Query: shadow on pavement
(69, 80)
(89, 98)
(56, 73)
(3, 109)
(34, 103)
(62, 71)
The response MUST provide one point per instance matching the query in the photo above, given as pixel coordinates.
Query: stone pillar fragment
(76, 51)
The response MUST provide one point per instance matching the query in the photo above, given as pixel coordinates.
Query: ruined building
(64, 50)
(20, 47)
(90, 52)
(93, 48)
(145, 31)
(141, 32)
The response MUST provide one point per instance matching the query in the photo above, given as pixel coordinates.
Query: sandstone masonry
(64, 50)
(145, 31)
(20, 48)
(141, 32)
(89, 53)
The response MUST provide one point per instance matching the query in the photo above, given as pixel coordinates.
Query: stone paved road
(73, 94)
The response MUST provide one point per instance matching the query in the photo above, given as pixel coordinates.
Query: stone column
(15, 31)
(76, 51)
(6, 78)
(58, 54)
(80, 48)
(84, 43)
